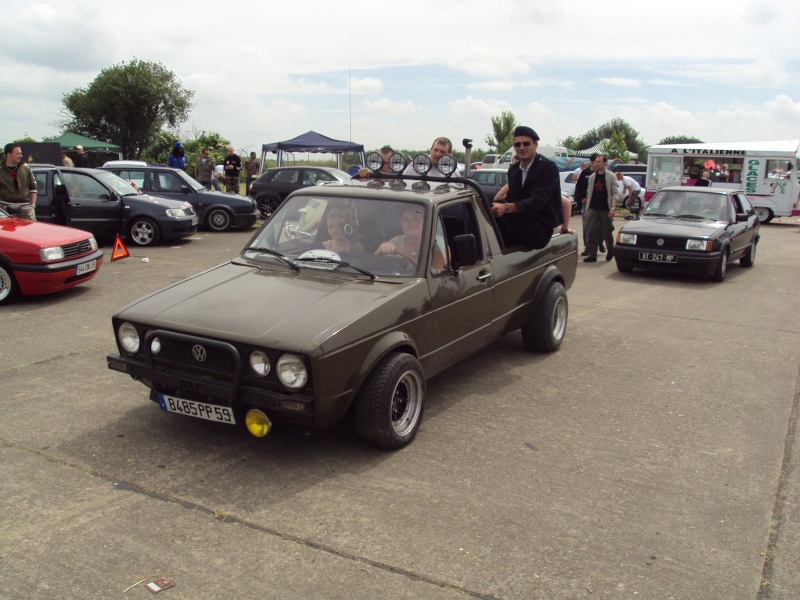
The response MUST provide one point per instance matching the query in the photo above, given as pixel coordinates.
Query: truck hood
(276, 308)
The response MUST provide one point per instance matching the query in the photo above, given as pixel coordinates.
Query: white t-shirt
(632, 183)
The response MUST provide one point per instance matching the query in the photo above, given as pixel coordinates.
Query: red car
(41, 258)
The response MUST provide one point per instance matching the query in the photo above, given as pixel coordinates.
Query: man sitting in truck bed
(533, 206)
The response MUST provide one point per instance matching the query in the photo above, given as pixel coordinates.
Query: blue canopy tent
(312, 142)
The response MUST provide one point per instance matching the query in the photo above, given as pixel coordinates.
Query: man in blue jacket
(532, 208)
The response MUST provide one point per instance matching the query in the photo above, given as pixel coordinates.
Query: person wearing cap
(81, 160)
(177, 158)
(532, 208)
(17, 184)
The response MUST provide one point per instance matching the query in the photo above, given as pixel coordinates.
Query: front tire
(219, 219)
(389, 407)
(547, 321)
(8, 285)
(748, 259)
(623, 268)
(143, 232)
(722, 268)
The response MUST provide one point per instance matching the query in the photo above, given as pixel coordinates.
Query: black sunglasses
(518, 144)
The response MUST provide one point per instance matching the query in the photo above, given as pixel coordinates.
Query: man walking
(580, 198)
(233, 166)
(17, 185)
(533, 205)
(601, 200)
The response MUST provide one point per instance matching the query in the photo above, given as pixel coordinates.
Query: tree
(605, 131)
(680, 139)
(24, 138)
(616, 148)
(128, 104)
(503, 128)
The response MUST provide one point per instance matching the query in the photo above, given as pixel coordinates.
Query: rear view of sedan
(690, 230)
(40, 258)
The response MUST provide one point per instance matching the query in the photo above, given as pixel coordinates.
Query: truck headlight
(291, 371)
(128, 338)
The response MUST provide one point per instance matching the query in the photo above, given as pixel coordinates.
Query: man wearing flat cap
(532, 208)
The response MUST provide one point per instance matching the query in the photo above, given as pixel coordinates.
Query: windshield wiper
(276, 254)
(341, 263)
(656, 214)
(693, 217)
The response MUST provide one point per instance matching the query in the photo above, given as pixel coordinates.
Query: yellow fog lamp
(257, 423)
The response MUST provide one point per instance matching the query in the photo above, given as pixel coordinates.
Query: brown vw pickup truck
(348, 299)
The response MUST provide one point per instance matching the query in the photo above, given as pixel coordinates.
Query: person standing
(251, 171)
(81, 160)
(533, 205)
(580, 198)
(204, 169)
(177, 158)
(232, 166)
(601, 199)
(705, 180)
(66, 161)
(17, 184)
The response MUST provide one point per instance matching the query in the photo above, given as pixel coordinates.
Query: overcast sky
(403, 73)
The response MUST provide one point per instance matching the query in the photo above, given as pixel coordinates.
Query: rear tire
(765, 215)
(267, 205)
(547, 321)
(389, 406)
(8, 285)
(143, 232)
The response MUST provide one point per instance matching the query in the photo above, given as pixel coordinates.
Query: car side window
(744, 203)
(162, 181)
(134, 176)
(287, 176)
(41, 183)
(459, 219)
(84, 186)
(324, 176)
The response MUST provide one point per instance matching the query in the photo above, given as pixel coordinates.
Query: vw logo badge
(660, 241)
(199, 353)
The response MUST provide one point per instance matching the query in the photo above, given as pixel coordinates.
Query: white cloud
(365, 85)
(621, 82)
(386, 107)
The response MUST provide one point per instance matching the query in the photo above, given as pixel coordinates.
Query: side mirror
(465, 250)
(742, 217)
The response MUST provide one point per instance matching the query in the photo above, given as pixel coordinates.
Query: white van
(765, 171)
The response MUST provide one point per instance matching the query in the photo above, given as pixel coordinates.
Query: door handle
(483, 275)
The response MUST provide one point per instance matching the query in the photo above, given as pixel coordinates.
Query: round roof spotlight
(374, 161)
(422, 163)
(421, 186)
(397, 162)
(398, 184)
(447, 165)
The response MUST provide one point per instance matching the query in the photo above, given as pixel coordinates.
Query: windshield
(116, 183)
(377, 236)
(196, 186)
(689, 204)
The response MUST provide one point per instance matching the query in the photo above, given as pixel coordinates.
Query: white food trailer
(766, 171)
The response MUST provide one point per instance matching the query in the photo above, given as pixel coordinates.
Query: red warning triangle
(120, 251)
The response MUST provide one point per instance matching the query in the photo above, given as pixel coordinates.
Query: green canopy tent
(96, 151)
